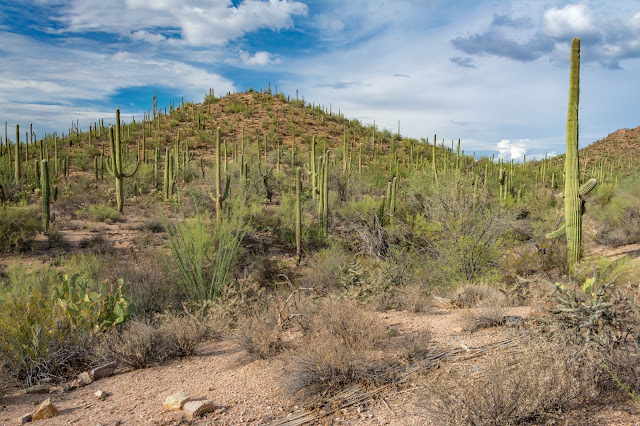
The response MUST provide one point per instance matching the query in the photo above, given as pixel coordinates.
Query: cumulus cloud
(517, 149)
(573, 20)
(259, 58)
(86, 76)
(512, 150)
(607, 40)
(197, 22)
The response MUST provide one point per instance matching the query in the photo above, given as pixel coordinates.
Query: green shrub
(204, 254)
(99, 213)
(18, 225)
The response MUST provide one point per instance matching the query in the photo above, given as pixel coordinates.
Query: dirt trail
(244, 392)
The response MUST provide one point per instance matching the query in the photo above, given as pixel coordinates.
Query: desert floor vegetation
(349, 271)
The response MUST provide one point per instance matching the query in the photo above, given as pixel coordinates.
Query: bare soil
(250, 392)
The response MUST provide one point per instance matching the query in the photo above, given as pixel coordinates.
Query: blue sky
(493, 73)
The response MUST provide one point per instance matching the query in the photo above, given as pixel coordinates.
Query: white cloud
(568, 22)
(198, 22)
(512, 150)
(88, 77)
(259, 58)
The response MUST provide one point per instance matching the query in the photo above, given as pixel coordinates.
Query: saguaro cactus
(114, 165)
(573, 193)
(46, 192)
(18, 162)
(219, 197)
(298, 216)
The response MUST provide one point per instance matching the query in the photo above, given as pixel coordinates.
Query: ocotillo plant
(46, 192)
(114, 165)
(573, 193)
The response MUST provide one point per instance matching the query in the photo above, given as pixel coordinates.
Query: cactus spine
(114, 165)
(46, 192)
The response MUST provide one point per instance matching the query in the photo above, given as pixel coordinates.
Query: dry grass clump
(343, 347)
(533, 383)
(142, 343)
(489, 313)
(261, 335)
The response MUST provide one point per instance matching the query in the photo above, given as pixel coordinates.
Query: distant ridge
(621, 144)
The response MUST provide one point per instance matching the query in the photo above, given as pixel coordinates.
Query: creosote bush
(342, 347)
(533, 384)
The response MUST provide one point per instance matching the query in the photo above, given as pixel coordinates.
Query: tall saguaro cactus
(114, 165)
(298, 216)
(220, 197)
(46, 194)
(573, 192)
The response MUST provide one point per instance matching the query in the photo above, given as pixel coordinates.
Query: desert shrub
(619, 217)
(98, 245)
(488, 313)
(261, 335)
(37, 341)
(467, 238)
(601, 315)
(327, 268)
(18, 225)
(342, 348)
(138, 345)
(99, 213)
(182, 335)
(153, 285)
(530, 385)
(142, 343)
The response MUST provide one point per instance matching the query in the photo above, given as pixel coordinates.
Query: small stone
(84, 379)
(104, 370)
(25, 418)
(176, 401)
(37, 389)
(193, 409)
(45, 411)
(101, 394)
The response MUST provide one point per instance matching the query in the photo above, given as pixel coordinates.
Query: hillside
(388, 282)
(623, 145)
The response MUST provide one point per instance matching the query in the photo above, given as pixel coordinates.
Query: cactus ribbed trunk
(18, 166)
(218, 199)
(298, 216)
(114, 165)
(572, 201)
(46, 192)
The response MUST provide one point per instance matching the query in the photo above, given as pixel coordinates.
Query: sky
(493, 73)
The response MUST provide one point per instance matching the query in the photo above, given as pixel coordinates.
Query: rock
(101, 394)
(25, 418)
(442, 302)
(45, 411)
(37, 389)
(193, 409)
(84, 379)
(457, 329)
(512, 321)
(103, 371)
(176, 401)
